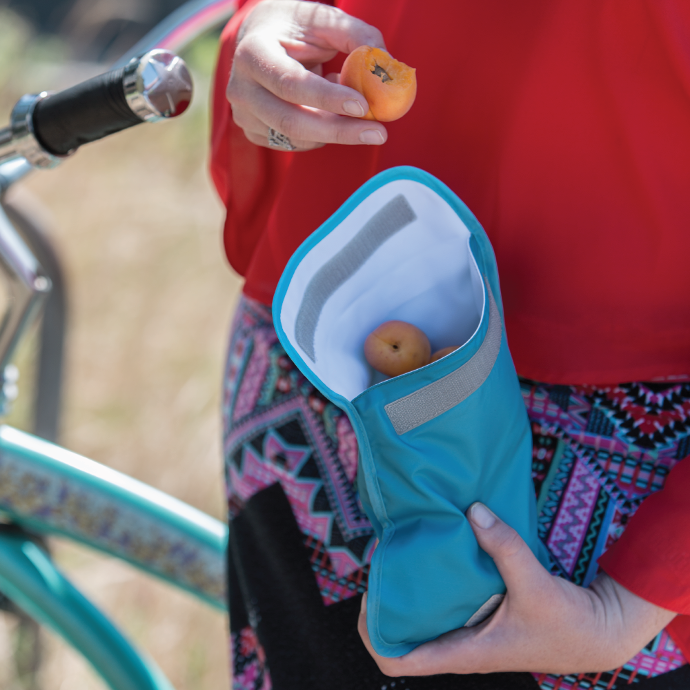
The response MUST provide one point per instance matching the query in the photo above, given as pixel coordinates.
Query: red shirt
(564, 125)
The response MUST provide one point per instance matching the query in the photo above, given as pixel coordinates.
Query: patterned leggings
(300, 543)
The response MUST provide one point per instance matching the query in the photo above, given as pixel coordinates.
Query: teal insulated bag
(434, 440)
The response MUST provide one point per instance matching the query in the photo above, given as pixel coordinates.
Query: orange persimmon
(389, 86)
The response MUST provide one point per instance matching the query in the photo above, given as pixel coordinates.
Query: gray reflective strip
(440, 396)
(392, 218)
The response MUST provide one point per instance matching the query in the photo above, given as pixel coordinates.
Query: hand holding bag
(434, 440)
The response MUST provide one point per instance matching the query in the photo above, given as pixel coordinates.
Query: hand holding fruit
(277, 81)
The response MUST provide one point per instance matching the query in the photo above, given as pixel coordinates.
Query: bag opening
(403, 253)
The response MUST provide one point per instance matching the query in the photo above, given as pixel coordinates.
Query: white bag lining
(423, 273)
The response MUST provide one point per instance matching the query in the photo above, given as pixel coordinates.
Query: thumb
(518, 566)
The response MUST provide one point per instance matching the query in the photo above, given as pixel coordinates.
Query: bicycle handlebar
(45, 127)
(62, 122)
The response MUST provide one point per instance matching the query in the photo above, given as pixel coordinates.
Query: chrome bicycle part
(27, 284)
(49, 362)
(12, 171)
(157, 85)
(5, 136)
(9, 389)
(19, 139)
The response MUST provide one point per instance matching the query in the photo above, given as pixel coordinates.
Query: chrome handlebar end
(158, 85)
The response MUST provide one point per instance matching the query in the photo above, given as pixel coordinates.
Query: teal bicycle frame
(49, 490)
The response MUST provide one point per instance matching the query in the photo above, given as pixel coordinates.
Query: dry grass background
(151, 297)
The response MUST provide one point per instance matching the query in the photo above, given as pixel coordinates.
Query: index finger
(290, 81)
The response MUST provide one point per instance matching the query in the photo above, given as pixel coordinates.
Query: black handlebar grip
(86, 112)
(156, 85)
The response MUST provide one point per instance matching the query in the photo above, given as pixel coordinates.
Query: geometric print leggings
(300, 543)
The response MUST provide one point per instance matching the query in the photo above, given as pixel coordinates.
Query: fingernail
(354, 108)
(371, 136)
(481, 516)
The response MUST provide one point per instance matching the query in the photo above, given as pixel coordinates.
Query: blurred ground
(151, 297)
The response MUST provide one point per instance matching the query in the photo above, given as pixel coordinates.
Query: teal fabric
(428, 575)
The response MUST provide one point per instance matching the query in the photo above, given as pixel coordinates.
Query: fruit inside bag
(436, 439)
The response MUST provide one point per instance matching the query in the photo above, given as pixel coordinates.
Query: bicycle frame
(52, 491)
(30, 579)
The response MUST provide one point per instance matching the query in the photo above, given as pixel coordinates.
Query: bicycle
(45, 489)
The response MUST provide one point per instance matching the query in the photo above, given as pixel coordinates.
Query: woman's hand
(545, 624)
(277, 83)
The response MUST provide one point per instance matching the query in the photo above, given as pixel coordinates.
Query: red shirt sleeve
(652, 557)
(248, 178)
